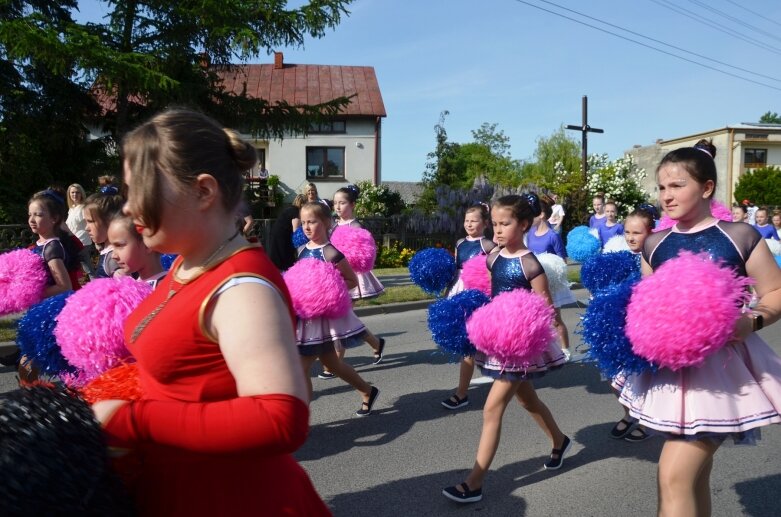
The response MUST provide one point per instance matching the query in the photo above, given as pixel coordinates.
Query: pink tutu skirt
(315, 331)
(551, 358)
(735, 390)
(369, 286)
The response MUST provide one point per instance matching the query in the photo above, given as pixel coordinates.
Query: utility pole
(585, 129)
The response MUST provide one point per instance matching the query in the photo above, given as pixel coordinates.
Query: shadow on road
(758, 496)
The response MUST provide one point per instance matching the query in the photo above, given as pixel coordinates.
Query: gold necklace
(171, 291)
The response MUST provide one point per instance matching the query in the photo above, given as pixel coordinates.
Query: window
(324, 162)
(333, 126)
(755, 158)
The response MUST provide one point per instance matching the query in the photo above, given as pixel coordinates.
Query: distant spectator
(768, 231)
(280, 245)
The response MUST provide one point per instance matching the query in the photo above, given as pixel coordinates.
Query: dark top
(508, 274)
(730, 243)
(280, 246)
(468, 248)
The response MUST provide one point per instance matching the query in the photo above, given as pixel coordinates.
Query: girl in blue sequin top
(514, 267)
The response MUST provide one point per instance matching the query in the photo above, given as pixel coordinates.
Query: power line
(732, 18)
(758, 15)
(661, 42)
(715, 25)
(703, 65)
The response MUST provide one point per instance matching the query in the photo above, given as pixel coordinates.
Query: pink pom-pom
(515, 327)
(22, 280)
(90, 328)
(475, 274)
(684, 311)
(717, 210)
(358, 247)
(317, 289)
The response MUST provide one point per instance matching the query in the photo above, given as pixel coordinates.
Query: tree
(557, 164)
(148, 55)
(770, 118)
(761, 186)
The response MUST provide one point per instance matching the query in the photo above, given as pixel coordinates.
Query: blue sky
(505, 62)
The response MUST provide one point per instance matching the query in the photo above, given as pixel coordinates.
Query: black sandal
(378, 353)
(555, 463)
(638, 434)
(465, 495)
(454, 402)
(366, 407)
(628, 423)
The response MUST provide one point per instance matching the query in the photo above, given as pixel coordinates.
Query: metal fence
(387, 231)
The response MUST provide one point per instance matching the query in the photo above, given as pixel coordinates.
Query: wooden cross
(585, 129)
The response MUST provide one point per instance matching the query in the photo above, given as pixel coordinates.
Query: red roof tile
(308, 84)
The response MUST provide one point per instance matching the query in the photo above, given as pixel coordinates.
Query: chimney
(278, 61)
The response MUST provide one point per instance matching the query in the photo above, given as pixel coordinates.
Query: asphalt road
(396, 461)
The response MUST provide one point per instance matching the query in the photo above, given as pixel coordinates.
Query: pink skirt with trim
(322, 330)
(369, 286)
(736, 389)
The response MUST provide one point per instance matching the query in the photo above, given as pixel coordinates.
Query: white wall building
(739, 148)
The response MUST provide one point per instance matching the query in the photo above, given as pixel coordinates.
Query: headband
(53, 195)
(109, 190)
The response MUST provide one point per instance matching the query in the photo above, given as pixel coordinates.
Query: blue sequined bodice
(467, 250)
(507, 275)
(711, 240)
(316, 253)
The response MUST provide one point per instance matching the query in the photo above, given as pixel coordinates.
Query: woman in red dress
(225, 402)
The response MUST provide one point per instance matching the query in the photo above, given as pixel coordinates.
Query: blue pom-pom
(447, 321)
(299, 239)
(603, 330)
(35, 335)
(167, 260)
(581, 244)
(605, 269)
(432, 269)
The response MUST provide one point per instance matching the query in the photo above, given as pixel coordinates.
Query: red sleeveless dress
(202, 450)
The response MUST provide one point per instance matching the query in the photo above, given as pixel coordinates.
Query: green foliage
(770, 118)
(761, 186)
(557, 164)
(393, 256)
(145, 56)
(459, 166)
(619, 181)
(377, 201)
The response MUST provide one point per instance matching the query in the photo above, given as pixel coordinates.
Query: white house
(739, 148)
(346, 149)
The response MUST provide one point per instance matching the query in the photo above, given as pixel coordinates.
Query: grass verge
(396, 294)
(7, 330)
(391, 271)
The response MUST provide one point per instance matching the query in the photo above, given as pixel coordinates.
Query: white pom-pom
(615, 244)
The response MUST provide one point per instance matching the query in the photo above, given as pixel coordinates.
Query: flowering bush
(619, 181)
(394, 256)
(377, 201)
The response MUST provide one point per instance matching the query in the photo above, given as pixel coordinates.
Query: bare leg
(373, 340)
(498, 398)
(528, 398)
(561, 328)
(345, 372)
(306, 363)
(684, 477)
(464, 376)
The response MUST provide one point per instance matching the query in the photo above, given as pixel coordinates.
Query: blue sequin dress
(316, 335)
(737, 389)
(508, 274)
(466, 249)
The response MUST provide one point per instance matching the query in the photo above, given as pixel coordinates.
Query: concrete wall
(287, 158)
